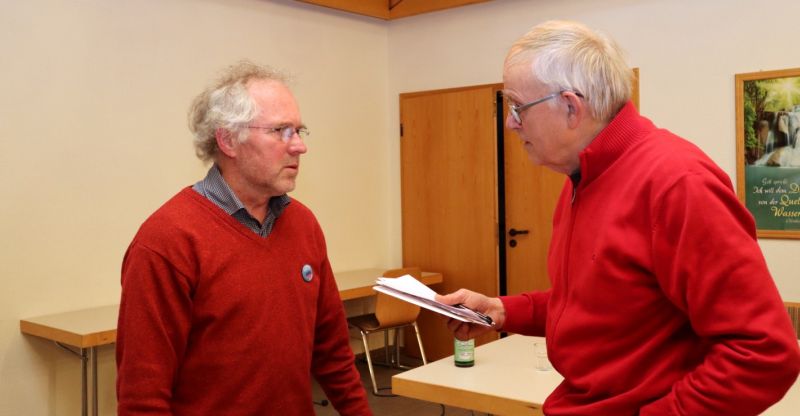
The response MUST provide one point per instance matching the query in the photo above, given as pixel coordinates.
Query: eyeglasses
(285, 132)
(515, 109)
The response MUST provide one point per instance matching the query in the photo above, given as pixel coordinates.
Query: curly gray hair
(227, 105)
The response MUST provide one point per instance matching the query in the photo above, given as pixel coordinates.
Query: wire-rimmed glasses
(284, 132)
(515, 109)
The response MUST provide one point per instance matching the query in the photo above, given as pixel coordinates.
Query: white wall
(93, 129)
(92, 122)
(687, 51)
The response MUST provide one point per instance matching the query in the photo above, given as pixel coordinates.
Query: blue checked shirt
(214, 188)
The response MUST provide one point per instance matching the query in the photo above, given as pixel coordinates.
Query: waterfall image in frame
(768, 150)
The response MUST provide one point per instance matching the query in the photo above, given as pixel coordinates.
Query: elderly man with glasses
(661, 301)
(229, 305)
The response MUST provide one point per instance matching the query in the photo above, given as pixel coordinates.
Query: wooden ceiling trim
(371, 8)
(407, 8)
(391, 9)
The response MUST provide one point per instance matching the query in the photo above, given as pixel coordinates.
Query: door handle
(512, 232)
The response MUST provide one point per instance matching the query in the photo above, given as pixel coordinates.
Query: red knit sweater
(215, 320)
(661, 303)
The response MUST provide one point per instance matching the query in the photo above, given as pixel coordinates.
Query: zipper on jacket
(575, 178)
(563, 282)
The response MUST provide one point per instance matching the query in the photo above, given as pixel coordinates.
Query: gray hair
(227, 105)
(567, 55)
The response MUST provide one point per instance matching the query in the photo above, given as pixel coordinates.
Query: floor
(391, 406)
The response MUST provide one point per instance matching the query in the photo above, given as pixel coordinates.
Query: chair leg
(397, 348)
(369, 362)
(419, 341)
(386, 358)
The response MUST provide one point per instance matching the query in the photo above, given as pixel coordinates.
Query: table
(88, 329)
(504, 381)
(85, 330)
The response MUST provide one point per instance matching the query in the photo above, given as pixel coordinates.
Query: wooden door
(449, 194)
(530, 195)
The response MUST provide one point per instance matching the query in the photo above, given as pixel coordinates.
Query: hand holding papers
(413, 291)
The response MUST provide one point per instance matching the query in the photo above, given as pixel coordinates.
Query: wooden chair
(794, 314)
(390, 314)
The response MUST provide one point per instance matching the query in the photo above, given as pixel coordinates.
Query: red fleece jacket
(215, 320)
(661, 301)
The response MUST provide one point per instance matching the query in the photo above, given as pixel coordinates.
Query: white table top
(504, 381)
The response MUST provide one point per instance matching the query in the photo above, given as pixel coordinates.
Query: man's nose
(297, 145)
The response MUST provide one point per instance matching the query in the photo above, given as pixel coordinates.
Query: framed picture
(768, 150)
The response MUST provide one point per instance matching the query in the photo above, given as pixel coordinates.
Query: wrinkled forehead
(518, 78)
(274, 100)
(519, 60)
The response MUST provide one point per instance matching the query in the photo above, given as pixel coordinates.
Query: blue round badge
(307, 273)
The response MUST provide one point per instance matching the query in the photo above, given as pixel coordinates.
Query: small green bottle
(465, 353)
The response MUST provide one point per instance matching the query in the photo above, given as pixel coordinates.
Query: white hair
(567, 55)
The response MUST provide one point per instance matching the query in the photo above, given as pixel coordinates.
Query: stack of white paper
(411, 290)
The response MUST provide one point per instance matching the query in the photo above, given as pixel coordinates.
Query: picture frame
(768, 150)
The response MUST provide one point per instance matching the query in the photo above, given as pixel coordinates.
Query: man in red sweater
(661, 301)
(229, 305)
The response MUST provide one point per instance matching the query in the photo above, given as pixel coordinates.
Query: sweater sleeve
(708, 263)
(526, 313)
(333, 364)
(154, 320)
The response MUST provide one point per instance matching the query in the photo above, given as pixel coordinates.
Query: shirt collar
(214, 187)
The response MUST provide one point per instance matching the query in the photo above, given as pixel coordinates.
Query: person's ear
(226, 141)
(576, 108)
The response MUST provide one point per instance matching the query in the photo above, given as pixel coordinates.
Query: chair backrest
(794, 314)
(391, 311)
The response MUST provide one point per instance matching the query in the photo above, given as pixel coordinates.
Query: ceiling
(391, 9)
